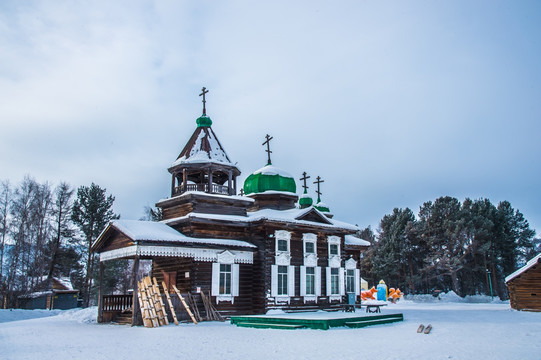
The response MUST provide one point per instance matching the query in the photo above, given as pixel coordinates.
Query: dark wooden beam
(135, 299)
(100, 294)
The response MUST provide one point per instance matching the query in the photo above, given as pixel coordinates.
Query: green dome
(321, 206)
(305, 201)
(269, 178)
(203, 121)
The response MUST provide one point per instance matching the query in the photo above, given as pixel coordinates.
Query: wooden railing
(216, 189)
(117, 302)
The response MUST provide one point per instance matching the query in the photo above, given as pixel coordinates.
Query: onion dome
(269, 178)
(305, 200)
(203, 121)
(321, 206)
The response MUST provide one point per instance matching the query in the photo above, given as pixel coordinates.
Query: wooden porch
(117, 309)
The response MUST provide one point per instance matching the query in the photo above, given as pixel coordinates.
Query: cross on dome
(204, 91)
(304, 178)
(318, 192)
(267, 142)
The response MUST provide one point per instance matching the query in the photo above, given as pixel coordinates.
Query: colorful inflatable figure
(368, 294)
(382, 291)
(394, 295)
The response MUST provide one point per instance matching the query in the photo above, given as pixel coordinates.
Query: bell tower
(203, 164)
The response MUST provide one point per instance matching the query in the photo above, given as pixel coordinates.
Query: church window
(310, 248)
(282, 241)
(350, 281)
(333, 249)
(335, 281)
(282, 280)
(310, 281)
(225, 279)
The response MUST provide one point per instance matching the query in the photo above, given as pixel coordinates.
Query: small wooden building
(57, 293)
(525, 286)
(252, 252)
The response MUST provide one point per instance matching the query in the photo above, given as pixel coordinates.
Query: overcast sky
(392, 103)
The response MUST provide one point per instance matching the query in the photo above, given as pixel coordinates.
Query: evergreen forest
(469, 247)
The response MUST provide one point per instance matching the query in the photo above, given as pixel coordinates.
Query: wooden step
(270, 326)
(360, 324)
(124, 319)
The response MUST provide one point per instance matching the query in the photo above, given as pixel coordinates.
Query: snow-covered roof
(139, 230)
(272, 170)
(65, 282)
(528, 265)
(228, 197)
(204, 148)
(353, 240)
(289, 216)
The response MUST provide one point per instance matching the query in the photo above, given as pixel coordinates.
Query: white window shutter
(235, 279)
(342, 281)
(318, 281)
(291, 281)
(357, 282)
(303, 280)
(215, 286)
(274, 280)
(328, 271)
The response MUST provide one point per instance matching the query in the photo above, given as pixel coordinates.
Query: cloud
(392, 103)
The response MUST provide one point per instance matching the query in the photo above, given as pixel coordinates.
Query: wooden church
(265, 248)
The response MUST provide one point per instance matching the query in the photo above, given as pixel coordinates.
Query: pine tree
(445, 231)
(91, 213)
(5, 199)
(62, 226)
(397, 255)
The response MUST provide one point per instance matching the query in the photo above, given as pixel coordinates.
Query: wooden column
(235, 185)
(173, 185)
(100, 293)
(135, 299)
(184, 180)
(210, 181)
(229, 183)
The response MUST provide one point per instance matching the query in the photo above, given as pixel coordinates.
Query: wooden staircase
(124, 318)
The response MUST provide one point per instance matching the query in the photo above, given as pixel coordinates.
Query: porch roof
(149, 231)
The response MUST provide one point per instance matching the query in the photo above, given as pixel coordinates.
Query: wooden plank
(147, 300)
(160, 315)
(193, 304)
(135, 303)
(144, 309)
(185, 305)
(160, 299)
(166, 291)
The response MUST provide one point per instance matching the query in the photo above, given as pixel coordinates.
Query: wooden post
(173, 185)
(184, 181)
(229, 183)
(210, 181)
(100, 293)
(235, 185)
(135, 299)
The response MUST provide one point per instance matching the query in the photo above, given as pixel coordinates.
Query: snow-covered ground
(462, 329)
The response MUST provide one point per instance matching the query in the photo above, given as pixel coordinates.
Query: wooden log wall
(182, 267)
(117, 241)
(525, 290)
(255, 279)
(297, 259)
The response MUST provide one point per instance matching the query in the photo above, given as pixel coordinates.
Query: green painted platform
(290, 323)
